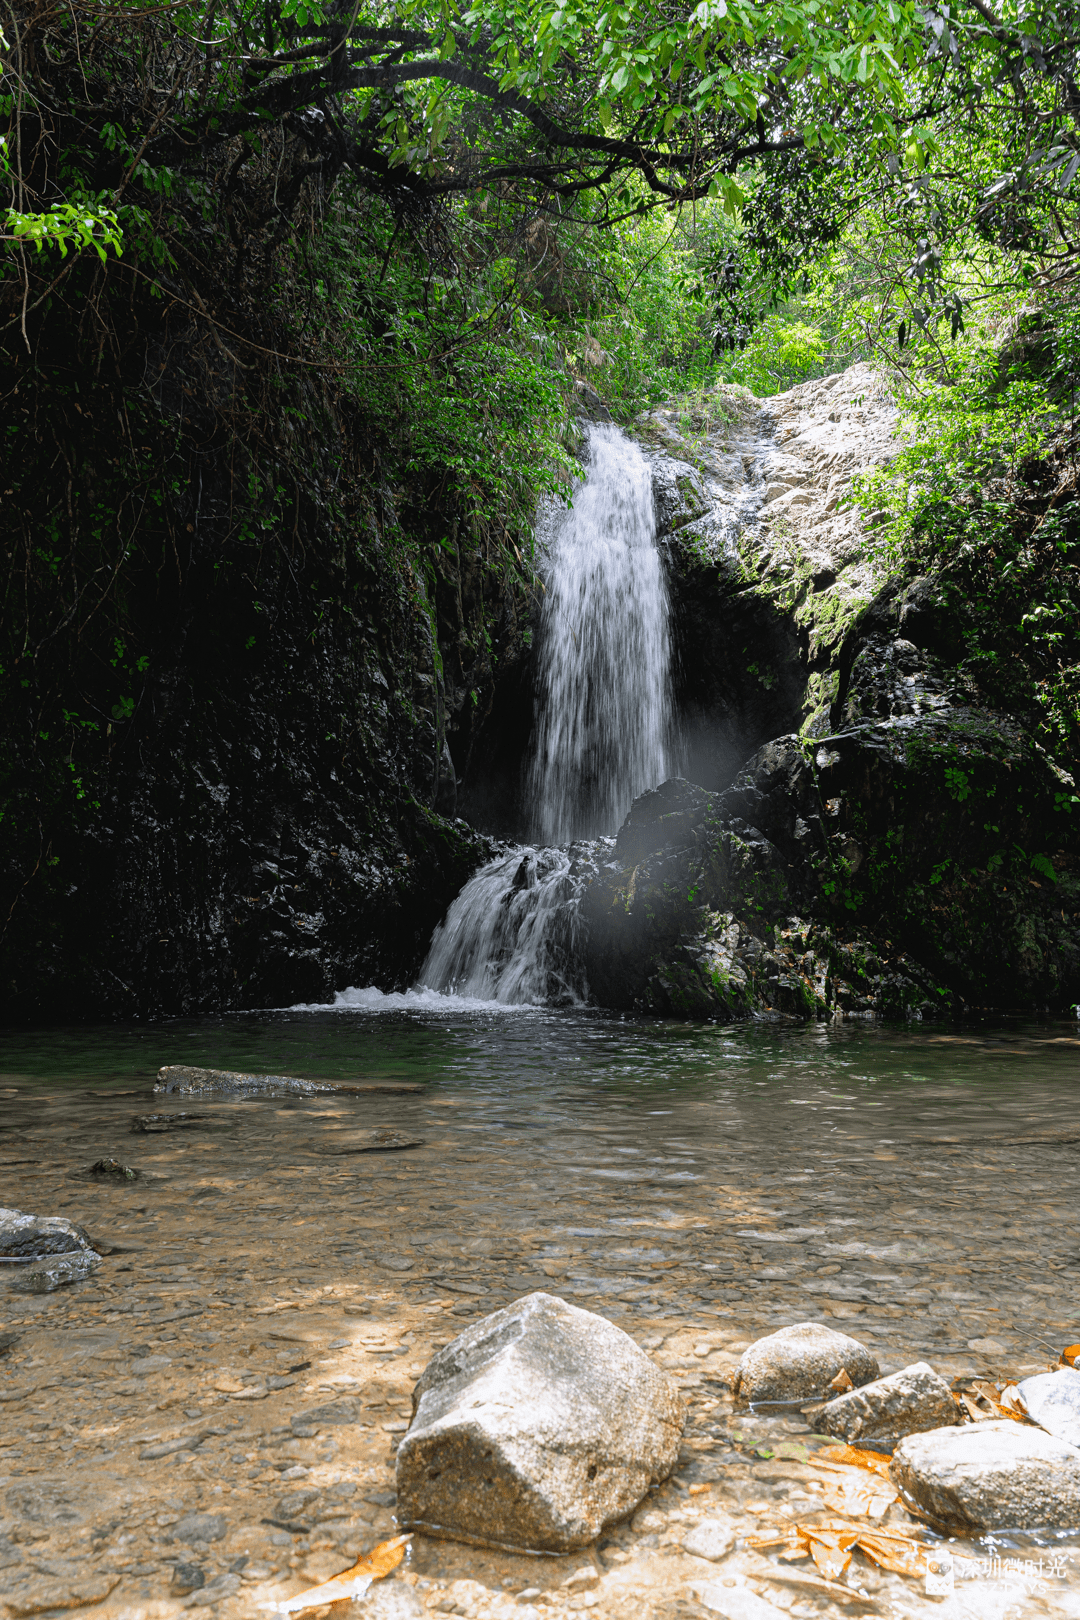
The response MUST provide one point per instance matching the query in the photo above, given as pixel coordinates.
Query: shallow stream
(915, 1187)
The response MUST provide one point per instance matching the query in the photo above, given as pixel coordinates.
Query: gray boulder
(800, 1362)
(1053, 1400)
(906, 1402)
(990, 1476)
(534, 1429)
(46, 1276)
(22, 1234)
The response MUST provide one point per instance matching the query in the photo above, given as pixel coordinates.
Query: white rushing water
(604, 731)
(512, 936)
(604, 712)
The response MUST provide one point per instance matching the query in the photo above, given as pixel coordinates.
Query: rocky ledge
(897, 845)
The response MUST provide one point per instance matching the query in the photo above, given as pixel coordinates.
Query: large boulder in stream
(534, 1429)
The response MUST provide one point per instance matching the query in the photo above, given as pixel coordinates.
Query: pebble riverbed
(226, 1395)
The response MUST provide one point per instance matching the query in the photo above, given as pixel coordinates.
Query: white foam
(367, 998)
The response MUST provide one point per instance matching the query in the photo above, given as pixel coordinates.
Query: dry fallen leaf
(903, 1555)
(842, 1382)
(351, 1583)
(808, 1583)
(830, 1546)
(985, 1400)
(1069, 1356)
(858, 1484)
(855, 1457)
(831, 1551)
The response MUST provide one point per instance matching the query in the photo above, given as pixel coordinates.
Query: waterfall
(603, 735)
(513, 934)
(604, 715)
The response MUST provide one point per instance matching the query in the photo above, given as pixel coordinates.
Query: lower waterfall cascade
(513, 933)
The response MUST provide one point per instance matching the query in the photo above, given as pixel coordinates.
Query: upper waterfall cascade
(604, 720)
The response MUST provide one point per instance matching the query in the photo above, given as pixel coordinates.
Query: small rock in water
(906, 1402)
(377, 1141)
(1053, 1400)
(995, 1475)
(222, 1586)
(154, 1124)
(22, 1234)
(182, 1077)
(712, 1539)
(800, 1362)
(201, 1527)
(166, 1448)
(331, 1415)
(187, 1578)
(534, 1429)
(57, 1271)
(113, 1168)
(141, 1365)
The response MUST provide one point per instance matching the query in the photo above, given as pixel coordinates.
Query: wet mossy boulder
(913, 863)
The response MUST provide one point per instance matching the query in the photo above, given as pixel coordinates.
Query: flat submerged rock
(182, 1077)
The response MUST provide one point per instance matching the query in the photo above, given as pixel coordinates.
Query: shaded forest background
(300, 307)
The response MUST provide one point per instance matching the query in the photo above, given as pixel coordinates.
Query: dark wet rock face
(857, 872)
(870, 836)
(235, 785)
(918, 857)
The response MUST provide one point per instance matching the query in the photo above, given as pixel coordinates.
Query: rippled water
(782, 1088)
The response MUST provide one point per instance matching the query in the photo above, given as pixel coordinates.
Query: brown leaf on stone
(351, 1583)
(841, 1383)
(831, 1550)
(985, 1400)
(973, 1409)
